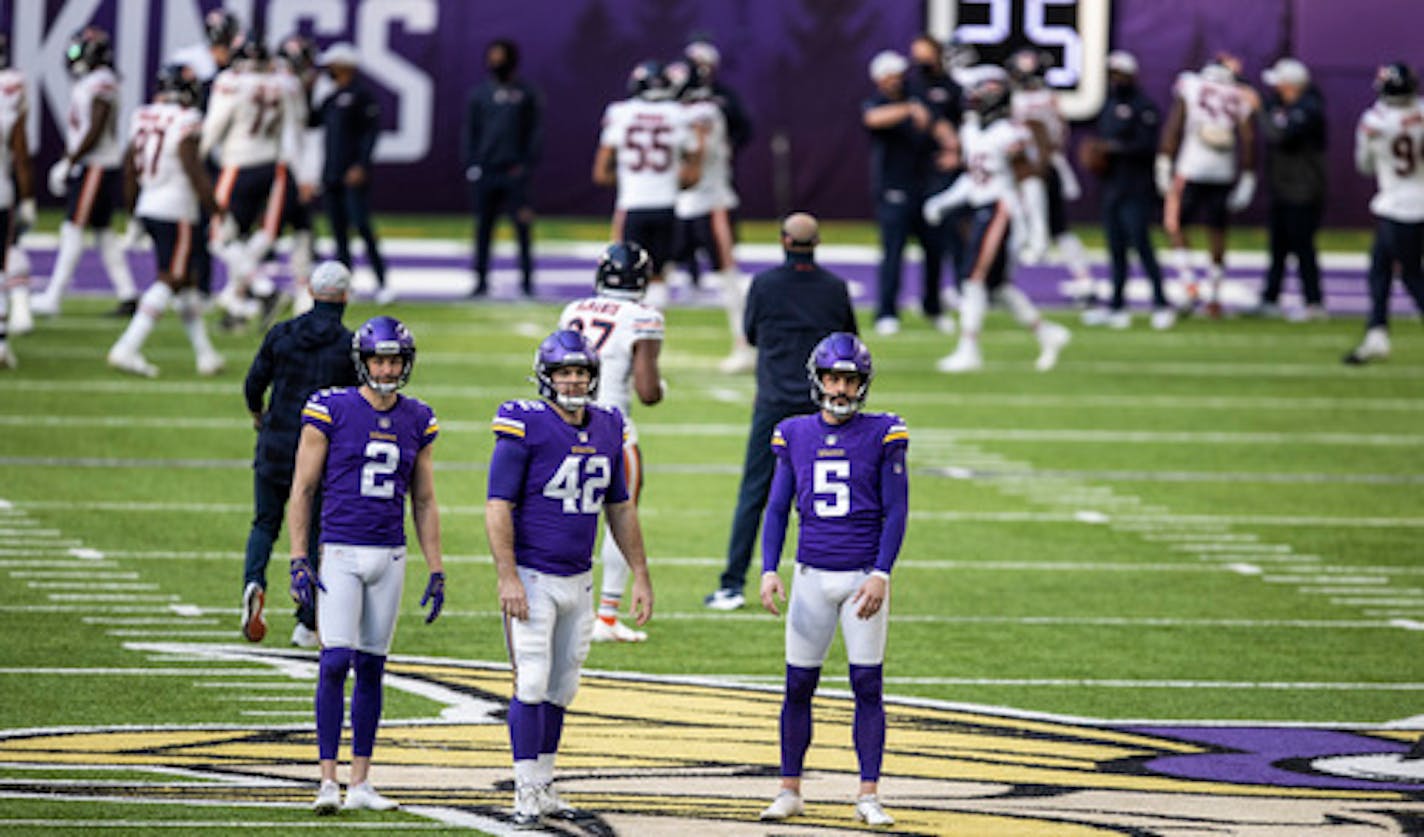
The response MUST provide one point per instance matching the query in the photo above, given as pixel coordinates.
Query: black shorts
(89, 200)
(653, 230)
(254, 195)
(694, 235)
(1209, 199)
(1057, 206)
(173, 246)
(989, 240)
(295, 212)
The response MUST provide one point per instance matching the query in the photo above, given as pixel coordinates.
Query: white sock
(545, 768)
(17, 267)
(734, 301)
(1019, 305)
(971, 310)
(71, 245)
(190, 310)
(262, 285)
(615, 576)
(1075, 258)
(154, 302)
(303, 256)
(112, 252)
(526, 772)
(1182, 260)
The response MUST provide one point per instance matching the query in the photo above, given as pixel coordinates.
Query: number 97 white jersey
(158, 131)
(649, 140)
(613, 327)
(1389, 143)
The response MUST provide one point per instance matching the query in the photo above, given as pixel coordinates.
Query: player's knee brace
(801, 683)
(867, 682)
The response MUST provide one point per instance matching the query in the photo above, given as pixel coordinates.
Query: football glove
(1242, 192)
(1163, 174)
(59, 178)
(434, 596)
(305, 582)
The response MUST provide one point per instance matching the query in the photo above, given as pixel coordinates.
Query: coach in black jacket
(789, 309)
(298, 357)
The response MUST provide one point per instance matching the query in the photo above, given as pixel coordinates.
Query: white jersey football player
(628, 337)
(296, 70)
(1035, 106)
(647, 149)
(253, 132)
(997, 157)
(162, 160)
(17, 204)
(703, 209)
(1389, 145)
(1197, 168)
(87, 176)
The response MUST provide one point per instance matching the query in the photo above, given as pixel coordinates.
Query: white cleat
(363, 797)
(739, 361)
(615, 632)
(386, 296)
(44, 306)
(724, 598)
(526, 806)
(1052, 337)
(552, 805)
(887, 326)
(1164, 318)
(8, 359)
(21, 321)
(254, 626)
(210, 365)
(328, 799)
(1375, 346)
(869, 811)
(786, 804)
(304, 637)
(1095, 316)
(1119, 320)
(966, 358)
(132, 363)
(944, 324)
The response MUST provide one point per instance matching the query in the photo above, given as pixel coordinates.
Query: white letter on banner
(328, 17)
(41, 55)
(410, 140)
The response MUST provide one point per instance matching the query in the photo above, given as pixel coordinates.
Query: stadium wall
(799, 64)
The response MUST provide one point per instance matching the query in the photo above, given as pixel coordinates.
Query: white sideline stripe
(1150, 522)
(1403, 601)
(97, 574)
(83, 609)
(1362, 591)
(245, 684)
(233, 824)
(1233, 547)
(138, 672)
(270, 698)
(464, 819)
(126, 632)
(106, 597)
(1115, 683)
(145, 620)
(1326, 579)
(1057, 621)
(89, 585)
(276, 713)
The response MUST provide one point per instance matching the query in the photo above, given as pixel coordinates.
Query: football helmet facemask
(89, 49)
(988, 96)
(623, 271)
(299, 53)
(840, 352)
(1028, 68)
(565, 347)
(383, 336)
(250, 50)
(174, 84)
(648, 81)
(1396, 83)
(220, 27)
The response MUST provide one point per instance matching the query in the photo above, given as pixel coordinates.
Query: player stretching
(366, 447)
(628, 337)
(556, 464)
(162, 161)
(845, 470)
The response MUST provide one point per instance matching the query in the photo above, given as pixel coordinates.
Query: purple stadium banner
(800, 65)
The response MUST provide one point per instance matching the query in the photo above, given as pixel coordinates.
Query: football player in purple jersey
(845, 471)
(557, 463)
(367, 447)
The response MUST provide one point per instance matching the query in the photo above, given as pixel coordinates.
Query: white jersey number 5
(830, 476)
(580, 478)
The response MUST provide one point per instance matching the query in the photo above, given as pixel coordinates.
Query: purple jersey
(837, 471)
(558, 476)
(368, 464)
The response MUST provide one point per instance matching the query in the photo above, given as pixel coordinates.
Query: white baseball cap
(330, 277)
(887, 62)
(1286, 71)
(1122, 61)
(340, 54)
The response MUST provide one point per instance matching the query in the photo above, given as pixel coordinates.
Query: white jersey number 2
(383, 459)
(579, 478)
(829, 478)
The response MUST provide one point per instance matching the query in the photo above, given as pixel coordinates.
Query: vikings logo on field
(651, 755)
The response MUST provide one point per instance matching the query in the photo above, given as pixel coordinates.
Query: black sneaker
(125, 308)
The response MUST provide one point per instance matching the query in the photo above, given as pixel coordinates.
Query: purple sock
(330, 696)
(526, 729)
(553, 724)
(868, 729)
(796, 717)
(366, 702)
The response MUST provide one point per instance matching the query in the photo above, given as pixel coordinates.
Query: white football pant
(547, 650)
(819, 600)
(362, 598)
(615, 566)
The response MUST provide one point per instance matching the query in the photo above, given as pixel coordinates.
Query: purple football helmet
(383, 336)
(565, 347)
(840, 352)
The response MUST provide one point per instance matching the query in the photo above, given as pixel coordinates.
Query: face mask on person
(501, 68)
